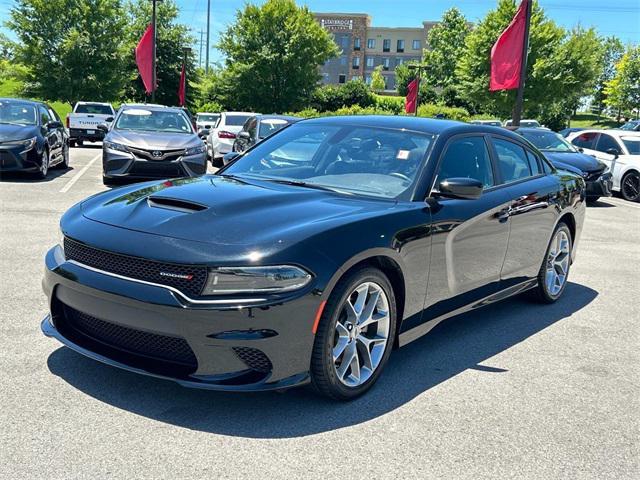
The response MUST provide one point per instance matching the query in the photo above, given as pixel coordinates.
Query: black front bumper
(125, 165)
(15, 159)
(599, 185)
(93, 134)
(243, 344)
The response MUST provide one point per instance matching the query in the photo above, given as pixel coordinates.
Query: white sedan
(620, 150)
(223, 134)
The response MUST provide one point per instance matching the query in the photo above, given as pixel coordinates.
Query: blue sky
(609, 17)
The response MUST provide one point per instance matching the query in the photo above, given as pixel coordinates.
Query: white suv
(620, 150)
(221, 137)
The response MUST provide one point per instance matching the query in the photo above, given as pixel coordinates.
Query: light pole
(417, 67)
(206, 66)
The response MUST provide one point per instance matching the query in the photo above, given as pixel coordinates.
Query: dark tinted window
(512, 161)
(95, 109)
(272, 125)
(605, 142)
(467, 158)
(533, 163)
(44, 116)
(235, 120)
(586, 140)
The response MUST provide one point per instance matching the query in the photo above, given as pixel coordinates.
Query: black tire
(108, 181)
(630, 186)
(44, 165)
(72, 143)
(323, 371)
(64, 164)
(79, 143)
(541, 292)
(592, 200)
(217, 162)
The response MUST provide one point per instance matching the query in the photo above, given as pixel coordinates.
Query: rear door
(531, 193)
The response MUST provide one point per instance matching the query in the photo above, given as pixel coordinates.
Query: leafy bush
(428, 110)
(393, 105)
(212, 107)
(450, 113)
(332, 97)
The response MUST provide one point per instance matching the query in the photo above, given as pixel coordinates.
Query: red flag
(182, 88)
(506, 54)
(144, 59)
(412, 97)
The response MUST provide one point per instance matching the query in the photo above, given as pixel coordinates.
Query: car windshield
(271, 125)
(95, 109)
(236, 120)
(632, 144)
(349, 159)
(153, 121)
(630, 126)
(207, 118)
(548, 141)
(18, 114)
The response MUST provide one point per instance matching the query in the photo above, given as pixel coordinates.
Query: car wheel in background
(554, 272)
(44, 165)
(79, 143)
(72, 143)
(355, 335)
(630, 187)
(64, 164)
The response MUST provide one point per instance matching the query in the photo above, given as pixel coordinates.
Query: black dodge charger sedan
(313, 255)
(32, 137)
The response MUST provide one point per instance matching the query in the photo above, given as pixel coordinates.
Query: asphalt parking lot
(517, 390)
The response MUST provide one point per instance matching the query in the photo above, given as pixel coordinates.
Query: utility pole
(206, 67)
(200, 56)
(517, 109)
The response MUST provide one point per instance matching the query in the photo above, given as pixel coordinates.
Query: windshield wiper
(300, 183)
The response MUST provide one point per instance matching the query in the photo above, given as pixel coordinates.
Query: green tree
(73, 49)
(377, 80)
(445, 44)
(613, 49)
(623, 90)
(404, 76)
(273, 53)
(172, 38)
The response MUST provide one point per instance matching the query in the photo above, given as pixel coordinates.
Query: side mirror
(203, 133)
(465, 188)
(244, 135)
(614, 151)
(581, 150)
(230, 157)
(54, 124)
(103, 127)
(108, 119)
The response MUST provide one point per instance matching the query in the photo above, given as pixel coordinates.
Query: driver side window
(467, 158)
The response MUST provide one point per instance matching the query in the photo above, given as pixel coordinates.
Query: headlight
(115, 146)
(27, 144)
(229, 280)
(195, 150)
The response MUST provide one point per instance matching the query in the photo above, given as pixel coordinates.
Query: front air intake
(178, 205)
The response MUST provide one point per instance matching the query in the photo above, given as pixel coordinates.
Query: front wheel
(552, 278)
(630, 187)
(355, 335)
(44, 165)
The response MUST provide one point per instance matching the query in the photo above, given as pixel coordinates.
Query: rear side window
(586, 140)
(606, 142)
(44, 116)
(512, 161)
(235, 120)
(95, 109)
(467, 158)
(533, 163)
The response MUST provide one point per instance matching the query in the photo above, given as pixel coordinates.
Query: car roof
(207, 113)
(155, 108)
(530, 129)
(93, 103)
(22, 101)
(289, 118)
(611, 131)
(240, 113)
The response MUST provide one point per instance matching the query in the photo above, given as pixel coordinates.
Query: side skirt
(420, 330)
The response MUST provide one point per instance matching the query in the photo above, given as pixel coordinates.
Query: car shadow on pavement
(26, 177)
(454, 346)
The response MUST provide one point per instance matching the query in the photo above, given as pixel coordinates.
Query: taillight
(67, 120)
(225, 134)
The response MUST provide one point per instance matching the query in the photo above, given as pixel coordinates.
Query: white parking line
(621, 202)
(77, 176)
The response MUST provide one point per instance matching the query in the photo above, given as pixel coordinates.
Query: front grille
(143, 168)
(7, 160)
(160, 155)
(254, 359)
(194, 279)
(593, 175)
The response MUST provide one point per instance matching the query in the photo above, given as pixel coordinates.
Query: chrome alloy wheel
(361, 334)
(558, 262)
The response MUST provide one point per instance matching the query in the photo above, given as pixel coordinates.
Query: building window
(417, 45)
(356, 43)
(385, 63)
(342, 78)
(400, 46)
(371, 43)
(355, 77)
(356, 62)
(386, 45)
(367, 79)
(370, 62)
(343, 60)
(399, 61)
(344, 42)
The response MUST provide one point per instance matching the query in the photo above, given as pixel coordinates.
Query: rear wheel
(79, 142)
(64, 164)
(630, 187)
(72, 143)
(552, 278)
(355, 335)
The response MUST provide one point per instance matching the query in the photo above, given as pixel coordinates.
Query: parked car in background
(491, 123)
(524, 123)
(276, 273)
(223, 135)
(258, 128)
(151, 142)
(620, 150)
(567, 131)
(633, 125)
(205, 122)
(565, 156)
(32, 137)
(84, 119)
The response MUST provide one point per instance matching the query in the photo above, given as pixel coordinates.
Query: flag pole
(517, 109)
(154, 80)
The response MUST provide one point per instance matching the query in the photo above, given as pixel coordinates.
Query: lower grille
(156, 169)
(254, 359)
(81, 326)
(189, 279)
(593, 175)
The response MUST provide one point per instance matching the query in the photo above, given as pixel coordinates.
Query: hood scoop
(183, 206)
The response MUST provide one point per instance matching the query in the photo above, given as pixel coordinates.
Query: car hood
(9, 133)
(582, 161)
(151, 140)
(223, 211)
